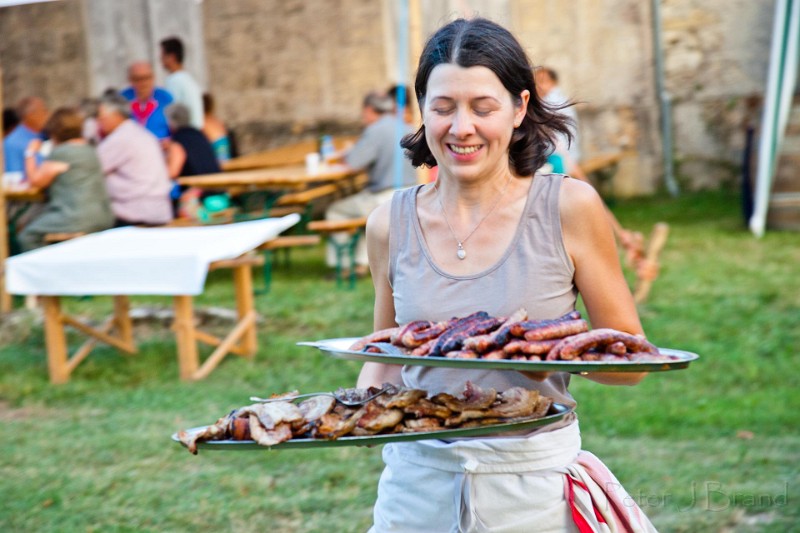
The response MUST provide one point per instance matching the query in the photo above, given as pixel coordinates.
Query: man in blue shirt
(148, 102)
(33, 114)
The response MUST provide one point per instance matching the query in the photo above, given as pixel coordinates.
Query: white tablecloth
(168, 261)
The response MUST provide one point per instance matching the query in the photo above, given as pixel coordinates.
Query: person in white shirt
(180, 84)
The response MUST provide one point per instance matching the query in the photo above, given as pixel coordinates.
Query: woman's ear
(519, 114)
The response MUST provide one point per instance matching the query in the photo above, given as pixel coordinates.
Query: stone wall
(283, 70)
(289, 69)
(716, 60)
(43, 52)
(603, 54)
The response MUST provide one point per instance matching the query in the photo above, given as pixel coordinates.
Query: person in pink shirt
(137, 180)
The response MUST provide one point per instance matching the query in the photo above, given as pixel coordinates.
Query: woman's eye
(442, 110)
(482, 112)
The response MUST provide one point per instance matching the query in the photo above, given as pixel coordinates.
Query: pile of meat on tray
(481, 336)
(396, 410)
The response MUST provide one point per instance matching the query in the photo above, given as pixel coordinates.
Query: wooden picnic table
(131, 261)
(294, 177)
(292, 154)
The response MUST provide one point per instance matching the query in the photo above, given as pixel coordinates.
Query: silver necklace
(461, 253)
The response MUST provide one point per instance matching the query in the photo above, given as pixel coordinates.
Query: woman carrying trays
(494, 235)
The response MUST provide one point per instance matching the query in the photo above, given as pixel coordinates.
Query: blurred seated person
(32, 113)
(396, 92)
(377, 151)
(148, 102)
(218, 135)
(189, 153)
(77, 198)
(91, 131)
(137, 180)
(10, 120)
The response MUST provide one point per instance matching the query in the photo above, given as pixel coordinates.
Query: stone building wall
(282, 70)
(288, 69)
(716, 60)
(43, 52)
(603, 54)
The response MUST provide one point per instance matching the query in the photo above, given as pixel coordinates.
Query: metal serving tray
(673, 360)
(557, 412)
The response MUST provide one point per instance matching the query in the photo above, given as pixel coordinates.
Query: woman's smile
(464, 150)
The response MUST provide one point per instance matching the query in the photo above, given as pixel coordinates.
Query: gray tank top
(535, 273)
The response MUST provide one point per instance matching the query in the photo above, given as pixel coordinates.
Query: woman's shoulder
(578, 196)
(581, 210)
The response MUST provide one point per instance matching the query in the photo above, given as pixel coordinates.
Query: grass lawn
(714, 448)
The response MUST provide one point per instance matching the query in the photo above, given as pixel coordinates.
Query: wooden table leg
(122, 319)
(188, 358)
(243, 285)
(55, 339)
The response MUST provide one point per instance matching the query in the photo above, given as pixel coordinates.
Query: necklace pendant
(461, 252)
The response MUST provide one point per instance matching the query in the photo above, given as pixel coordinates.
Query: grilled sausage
(557, 330)
(405, 334)
(575, 345)
(383, 335)
(530, 347)
(519, 329)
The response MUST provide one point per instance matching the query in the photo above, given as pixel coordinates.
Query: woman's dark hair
(64, 124)
(481, 42)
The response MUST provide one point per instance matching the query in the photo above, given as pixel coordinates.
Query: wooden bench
(223, 216)
(52, 238)
(305, 197)
(286, 243)
(304, 200)
(353, 228)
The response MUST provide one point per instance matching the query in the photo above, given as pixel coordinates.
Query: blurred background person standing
(180, 84)
(567, 151)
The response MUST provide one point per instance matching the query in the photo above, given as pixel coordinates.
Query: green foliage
(710, 448)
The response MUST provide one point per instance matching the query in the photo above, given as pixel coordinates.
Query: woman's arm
(589, 240)
(41, 176)
(375, 374)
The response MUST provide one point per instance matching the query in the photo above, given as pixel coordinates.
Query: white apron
(542, 483)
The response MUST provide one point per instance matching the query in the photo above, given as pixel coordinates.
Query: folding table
(135, 261)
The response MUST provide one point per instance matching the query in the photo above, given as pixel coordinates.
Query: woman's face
(469, 118)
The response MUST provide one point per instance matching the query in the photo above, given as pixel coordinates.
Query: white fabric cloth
(130, 260)
(542, 483)
(498, 485)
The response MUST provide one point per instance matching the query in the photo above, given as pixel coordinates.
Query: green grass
(712, 448)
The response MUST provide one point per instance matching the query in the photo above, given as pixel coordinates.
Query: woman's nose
(462, 124)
